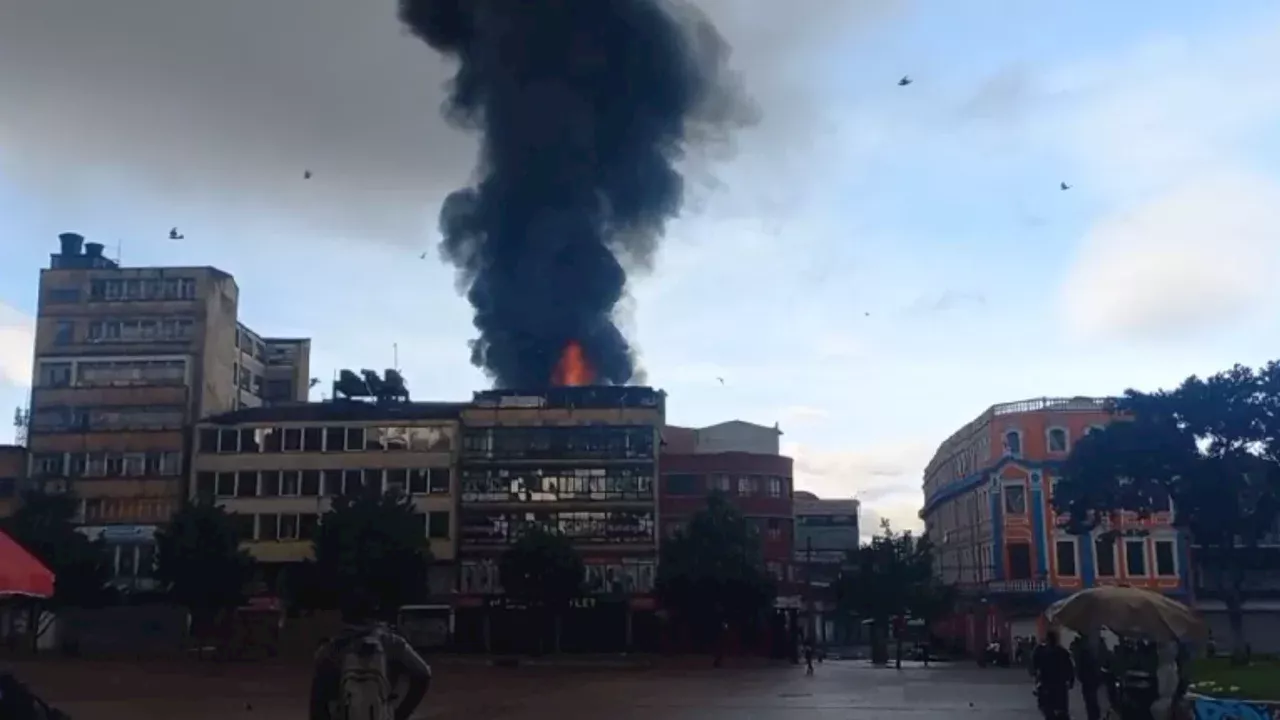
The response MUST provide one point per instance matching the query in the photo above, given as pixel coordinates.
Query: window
(247, 484)
(289, 483)
(352, 482)
(1166, 562)
(271, 439)
(773, 528)
(720, 482)
(1065, 556)
(55, 374)
(355, 439)
(228, 441)
(269, 483)
(438, 525)
(1104, 552)
(438, 481)
(775, 487)
(206, 484)
(418, 482)
(1013, 443)
(245, 525)
(48, 464)
(746, 486)
(62, 296)
(289, 527)
(1015, 499)
(226, 485)
(335, 439)
(313, 439)
(397, 481)
(684, 484)
(1135, 557)
(310, 483)
(775, 570)
(1019, 561)
(249, 441)
(292, 439)
(308, 523)
(64, 333)
(1057, 440)
(269, 526)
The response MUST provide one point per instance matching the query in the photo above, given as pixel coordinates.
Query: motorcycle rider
(1055, 676)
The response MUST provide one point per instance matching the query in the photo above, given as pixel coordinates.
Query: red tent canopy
(21, 573)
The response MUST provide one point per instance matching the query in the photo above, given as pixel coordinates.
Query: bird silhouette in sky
(175, 235)
(721, 380)
(1064, 186)
(423, 256)
(905, 81)
(306, 175)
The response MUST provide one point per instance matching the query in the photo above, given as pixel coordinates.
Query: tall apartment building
(276, 470)
(988, 511)
(13, 470)
(826, 529)
(126, 361)
(743, 461)
(583, 460)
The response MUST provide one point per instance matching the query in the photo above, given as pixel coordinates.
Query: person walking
(355, 673)
(1089, 672)
(1055, 677)
(808, 657)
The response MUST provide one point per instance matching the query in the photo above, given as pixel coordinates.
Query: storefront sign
(120, 534)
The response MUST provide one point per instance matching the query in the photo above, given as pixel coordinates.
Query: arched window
(1058, 440)
(1013, 443)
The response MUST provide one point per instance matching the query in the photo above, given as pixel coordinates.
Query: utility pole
(808, 587)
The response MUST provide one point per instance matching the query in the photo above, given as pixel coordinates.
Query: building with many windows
(988, 511)
(825, 531)
(276, 470)
(126, 361)
(745, 463)
(13, 471)
(584, 461)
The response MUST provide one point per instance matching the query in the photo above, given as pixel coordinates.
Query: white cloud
(1166, 138)
(886, 478)
(17, 336)
(802, 414)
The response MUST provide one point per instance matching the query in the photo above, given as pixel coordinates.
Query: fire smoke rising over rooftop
(584, 107)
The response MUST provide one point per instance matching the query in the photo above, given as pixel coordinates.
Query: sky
(870, 265)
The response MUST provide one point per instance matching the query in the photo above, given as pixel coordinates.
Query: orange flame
(573, 370)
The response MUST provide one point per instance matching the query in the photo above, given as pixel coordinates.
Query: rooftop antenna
(395, 356)
(119, 251)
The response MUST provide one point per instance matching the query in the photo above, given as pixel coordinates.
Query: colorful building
(988, 510)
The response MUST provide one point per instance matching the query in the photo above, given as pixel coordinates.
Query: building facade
(826, 530)
(13, 472)
(276, 470)
(126, 361)
(743, 461)
(583, 460)
(988, 511)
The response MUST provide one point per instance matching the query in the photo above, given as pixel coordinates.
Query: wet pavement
(849, 690)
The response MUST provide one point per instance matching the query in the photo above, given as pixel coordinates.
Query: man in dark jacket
(1089, 673)
(360, 623)
(1051, 666)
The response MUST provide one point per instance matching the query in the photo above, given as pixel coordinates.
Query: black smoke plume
(585, 107)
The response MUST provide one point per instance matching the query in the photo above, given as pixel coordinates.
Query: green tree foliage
(44, 525)
(1211, 446)
(889, 577)
(712, 571)
(375, 543)
(199, 561)
(542, 571)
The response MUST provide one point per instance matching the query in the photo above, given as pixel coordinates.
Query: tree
(892, 576)
(543, 572)
(711, 573)
(44, 524)
(376, 543)
(1211, 447)
(199, 562)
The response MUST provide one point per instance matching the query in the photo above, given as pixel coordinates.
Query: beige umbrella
(1127, 611)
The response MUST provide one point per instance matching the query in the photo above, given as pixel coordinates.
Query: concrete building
(743, 461)
(583, 460)
(271, 371)
(825, 531)
(126, 361)
(13, 472)
(988, 511)
(277, 469)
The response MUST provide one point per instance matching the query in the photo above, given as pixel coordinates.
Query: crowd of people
(1138, 679)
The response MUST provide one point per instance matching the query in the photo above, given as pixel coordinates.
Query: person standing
(1089, 672)
(1051, 666)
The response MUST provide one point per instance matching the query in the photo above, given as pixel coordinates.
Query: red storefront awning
(21, 573)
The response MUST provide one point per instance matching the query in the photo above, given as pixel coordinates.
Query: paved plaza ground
(850, 690)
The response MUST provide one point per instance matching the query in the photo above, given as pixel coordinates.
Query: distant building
(743, 461)
(825, 531)
(126, 361)
(13, 471)
(271, 371)
(582, 460)
(988, 511)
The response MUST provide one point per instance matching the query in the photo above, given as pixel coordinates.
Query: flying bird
(423, 256)
(866, 314)
(721, 380)
(306, 175)
(1064, 186)
(905, 81)
(175, 235)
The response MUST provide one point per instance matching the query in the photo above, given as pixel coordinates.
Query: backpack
(364, 687)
